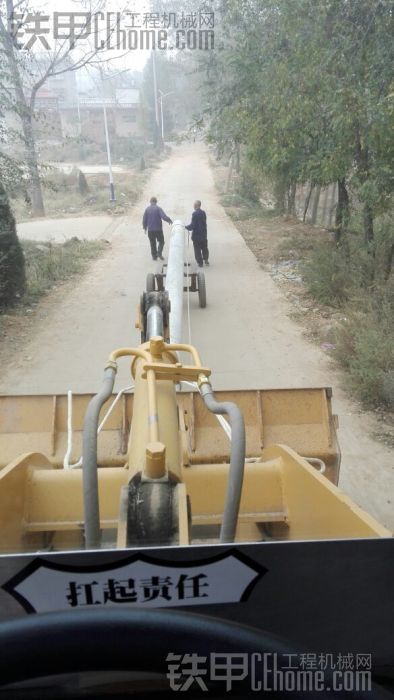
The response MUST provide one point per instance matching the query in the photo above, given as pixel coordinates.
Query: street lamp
(162, 96)
(112, 197)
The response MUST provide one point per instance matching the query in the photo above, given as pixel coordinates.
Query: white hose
(252, 460)
(225, 424)
(112, 406)
(66, 463)
(316, 461)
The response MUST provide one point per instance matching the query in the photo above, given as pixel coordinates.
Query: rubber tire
(160, 282)
(202, 292)
(150, 282)
(152, 516)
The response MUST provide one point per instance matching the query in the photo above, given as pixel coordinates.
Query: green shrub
(233, 199)
(326, 274)
(48, 263)
(248, 184)
(83, 187)
(366, 348)
(12, 262)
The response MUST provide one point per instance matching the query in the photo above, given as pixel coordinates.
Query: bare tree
(26, 83)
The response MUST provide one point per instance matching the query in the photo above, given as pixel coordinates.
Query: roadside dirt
(246, 333)
(275, 241)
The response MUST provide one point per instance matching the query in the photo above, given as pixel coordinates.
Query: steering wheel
(135, 640)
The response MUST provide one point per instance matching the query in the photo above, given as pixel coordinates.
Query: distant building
(63, 113)
(58, 93)
(47, 120)
(64, 86)
(122, 115)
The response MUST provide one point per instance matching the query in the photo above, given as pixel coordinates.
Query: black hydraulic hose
(89, 460)
(237, 460)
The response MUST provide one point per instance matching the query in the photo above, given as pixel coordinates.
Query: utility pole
(161, 114)
(155, 93)
(162, 96)
(112, 197)
(79, 117)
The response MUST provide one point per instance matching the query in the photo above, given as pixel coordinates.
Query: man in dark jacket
(198, 227)
(152, 222)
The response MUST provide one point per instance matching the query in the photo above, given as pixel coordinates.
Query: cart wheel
(160, 282)
(150, 282)
(202, 294)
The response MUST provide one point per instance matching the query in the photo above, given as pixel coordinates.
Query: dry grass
(337, 309)
(48, 264)
(62, 198)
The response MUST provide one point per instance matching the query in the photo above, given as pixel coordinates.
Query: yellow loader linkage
(167, 443)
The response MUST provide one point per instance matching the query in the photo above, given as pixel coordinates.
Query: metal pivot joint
(154, 315)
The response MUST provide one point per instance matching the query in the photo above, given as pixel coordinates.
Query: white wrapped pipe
(175, 279)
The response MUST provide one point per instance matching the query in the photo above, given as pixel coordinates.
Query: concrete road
(244, 334)
(60, 230)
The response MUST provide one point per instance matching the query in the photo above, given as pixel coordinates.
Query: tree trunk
(389, 262)
(325, 205)
(307, 200)
(291, 194)
(237, 158)
(230, 173)
(316, 204)
(332, 203)
(279, 196)
(35, 182)
(362, 162)
(25, 115)
(368, 224)
(342, 213)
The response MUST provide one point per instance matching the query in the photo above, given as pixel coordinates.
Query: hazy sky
(131, 59)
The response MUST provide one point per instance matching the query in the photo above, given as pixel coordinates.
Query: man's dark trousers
(201, 252)
(153, 237)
